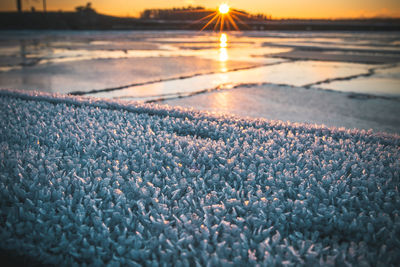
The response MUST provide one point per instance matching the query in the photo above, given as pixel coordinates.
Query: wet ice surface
(383, 82)
(300, 105)
(84, 75)
(163, 66)
(278, 72)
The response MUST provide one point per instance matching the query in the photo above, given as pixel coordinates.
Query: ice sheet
(147, 66)
(278, 73)
(300, 105)
(384, 82)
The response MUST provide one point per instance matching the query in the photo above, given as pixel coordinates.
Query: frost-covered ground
(97, 182)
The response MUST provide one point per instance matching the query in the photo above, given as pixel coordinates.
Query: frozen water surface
(84, 75)
(384, 82)
(54, 57)
(150, 66)
(279, 72)
(297, 104)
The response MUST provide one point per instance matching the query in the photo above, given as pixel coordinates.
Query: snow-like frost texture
(97, 182)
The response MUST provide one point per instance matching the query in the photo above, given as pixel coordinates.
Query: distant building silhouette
(19, 6)
(191, 13)
(85, 9)
(185, 13)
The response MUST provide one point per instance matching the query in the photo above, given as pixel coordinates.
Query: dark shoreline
(95, 21)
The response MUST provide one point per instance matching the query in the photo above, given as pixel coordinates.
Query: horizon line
(272, 17)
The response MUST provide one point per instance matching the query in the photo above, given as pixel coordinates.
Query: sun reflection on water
(223, 52)
(223, 40)
(223, 55)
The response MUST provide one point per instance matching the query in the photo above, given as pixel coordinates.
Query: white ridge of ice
(96, 182)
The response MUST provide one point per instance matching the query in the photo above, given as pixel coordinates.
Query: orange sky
(276, 8)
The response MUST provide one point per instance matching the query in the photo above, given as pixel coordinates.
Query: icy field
(96, 182)
(354, 76)
(150, 65)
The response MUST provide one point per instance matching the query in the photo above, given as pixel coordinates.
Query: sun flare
(223, 9)
(223, 17)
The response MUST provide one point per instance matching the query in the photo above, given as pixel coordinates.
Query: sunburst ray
(216, 24)
(223, 19)
(240, 21)
(232, 22)
(208, 23)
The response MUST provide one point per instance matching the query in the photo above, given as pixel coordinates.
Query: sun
(223, 9)
(224, 17)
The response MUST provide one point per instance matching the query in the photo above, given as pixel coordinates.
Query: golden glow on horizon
(330, 9)
(223, 9)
